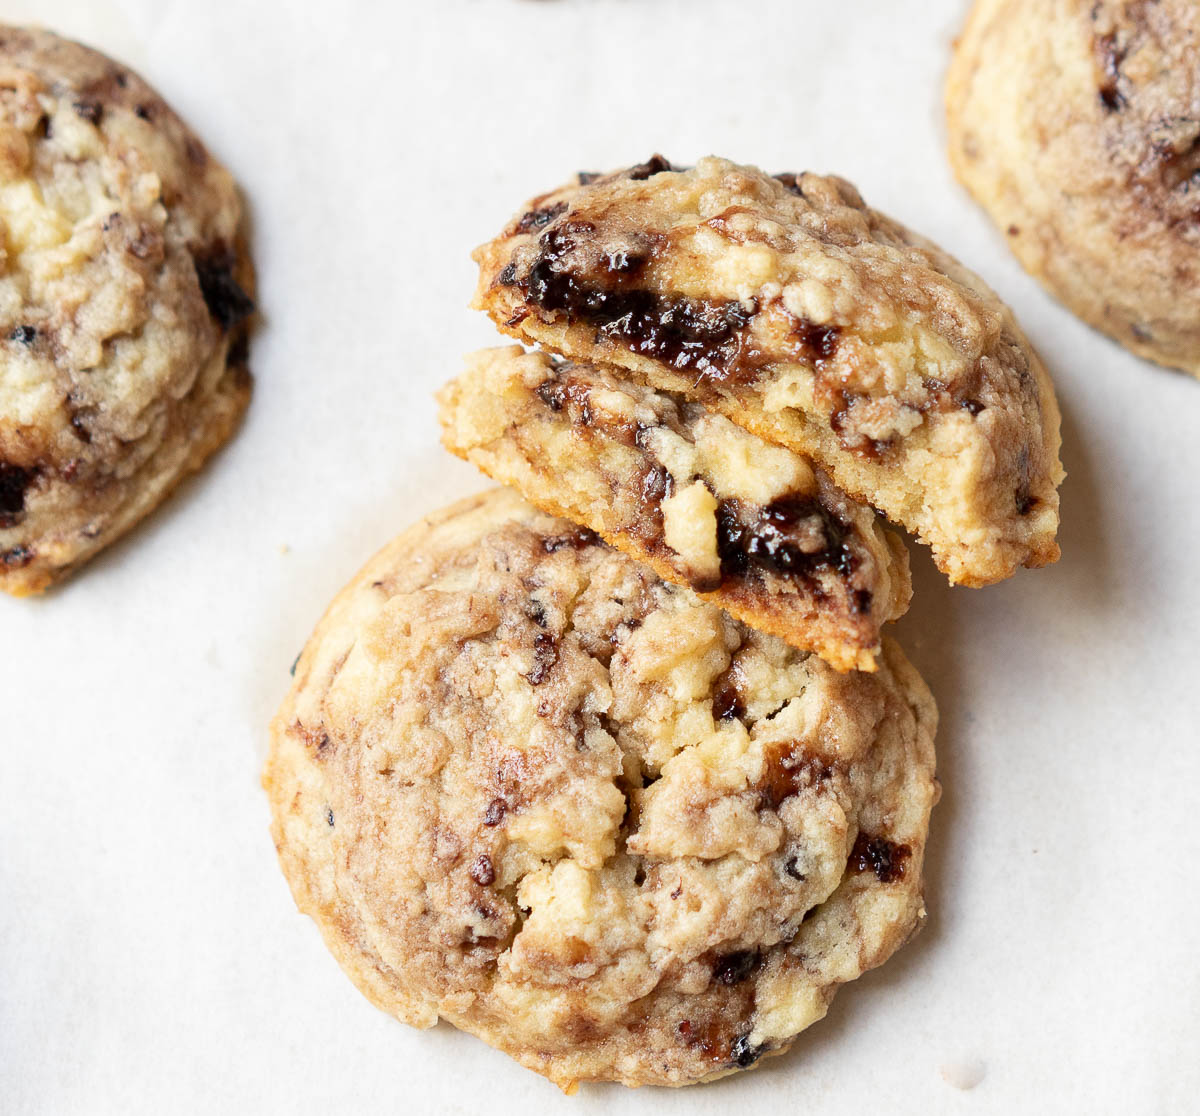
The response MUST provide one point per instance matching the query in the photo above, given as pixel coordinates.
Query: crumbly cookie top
(800, 313)
(1146, 58)
(120, 274)
(1122, 128)
(724, 272)
(588, 816)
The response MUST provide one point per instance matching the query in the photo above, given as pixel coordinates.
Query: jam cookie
(523, 785)
(1076, 125)
(750, 526)
(791, 307)
(124, 289)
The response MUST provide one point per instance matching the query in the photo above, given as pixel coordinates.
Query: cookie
(525, 786)
(1076, 125)
(124, 290)
(812, 320)
(753, 527)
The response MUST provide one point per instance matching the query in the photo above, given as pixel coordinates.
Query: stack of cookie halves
(619, 773)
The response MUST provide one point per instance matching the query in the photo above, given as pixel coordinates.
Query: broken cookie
(751, 526)
(788, 305)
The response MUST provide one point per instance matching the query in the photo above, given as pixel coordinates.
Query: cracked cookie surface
(789, 305)
(751, 526)
(124, 289)
(1076, 125)
(523, 785)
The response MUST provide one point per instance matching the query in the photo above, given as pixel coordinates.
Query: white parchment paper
(151, 960)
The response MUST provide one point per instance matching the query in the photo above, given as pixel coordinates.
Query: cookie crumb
(963, 1073)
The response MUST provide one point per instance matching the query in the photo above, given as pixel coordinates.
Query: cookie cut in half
(790, 306)
(124, 289)
(1076, 125)
(751, 526)
(523, 785)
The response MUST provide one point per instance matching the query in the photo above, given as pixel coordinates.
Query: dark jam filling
(1179, 168)
(787, 772)
(818, 342)
(792, 181)
(743, 1053)
(654, 485)
(656, 164)
(733, 968)
(14, 481)
(727, 704)
(226, 301)
(578, 538)
(573, 275)
(1110, 55)
(545, 655)
(16, 557)
(769, 539)
(569, 396)
(685, 333)
(540, 218)
(879, 855)
(711, 1039)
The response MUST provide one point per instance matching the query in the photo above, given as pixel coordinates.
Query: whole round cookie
(523, 785)
(124, 289)
(1076, 124)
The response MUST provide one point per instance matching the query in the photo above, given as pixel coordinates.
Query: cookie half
(1076, 125)
(523, 785)
(124, 290)
(749, 525)
(790, 306)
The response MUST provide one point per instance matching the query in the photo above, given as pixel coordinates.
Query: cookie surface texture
(1076, 125)
(124, 293)
(523, 785)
